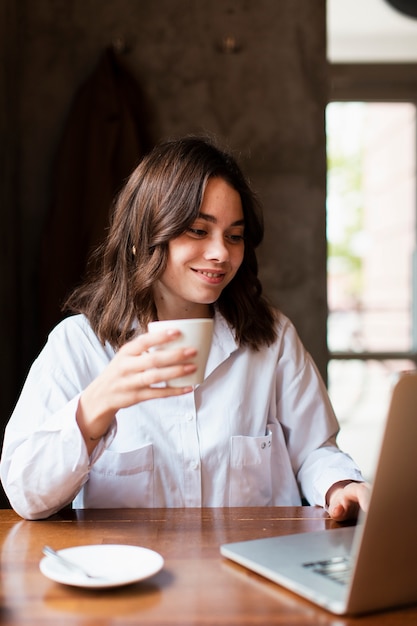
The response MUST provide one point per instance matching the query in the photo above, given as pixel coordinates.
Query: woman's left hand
(346, 498)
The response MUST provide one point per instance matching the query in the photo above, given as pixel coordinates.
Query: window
(371, 231)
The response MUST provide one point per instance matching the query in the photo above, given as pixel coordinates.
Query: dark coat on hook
(104, 138)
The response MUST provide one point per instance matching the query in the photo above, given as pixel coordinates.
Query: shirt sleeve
(309, 423)
(45, 460)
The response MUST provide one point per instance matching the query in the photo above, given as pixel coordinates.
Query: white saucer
(115, 564)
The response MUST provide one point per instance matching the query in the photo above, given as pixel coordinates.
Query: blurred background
(316, 99)
(371, 213)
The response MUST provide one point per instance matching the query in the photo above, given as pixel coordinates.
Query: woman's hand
(346, 498)
(131, 378)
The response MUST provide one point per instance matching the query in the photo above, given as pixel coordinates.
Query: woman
(97, 425)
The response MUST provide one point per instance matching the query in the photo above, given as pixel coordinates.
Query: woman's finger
(146, 341)
(159, 375)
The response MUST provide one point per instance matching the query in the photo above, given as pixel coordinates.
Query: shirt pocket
(121, 480)
(250, 470)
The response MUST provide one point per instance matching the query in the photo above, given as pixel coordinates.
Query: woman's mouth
(210, 274)
(215, 277)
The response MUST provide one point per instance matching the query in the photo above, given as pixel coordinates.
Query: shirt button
(190, 417)
(195, 465)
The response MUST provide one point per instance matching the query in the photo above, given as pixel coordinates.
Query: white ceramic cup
(195, 333)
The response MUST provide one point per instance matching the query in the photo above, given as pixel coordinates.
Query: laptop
(372, 565)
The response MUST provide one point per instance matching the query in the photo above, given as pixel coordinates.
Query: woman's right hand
(132, 376)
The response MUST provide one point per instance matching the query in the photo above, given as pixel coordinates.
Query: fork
(48, 551)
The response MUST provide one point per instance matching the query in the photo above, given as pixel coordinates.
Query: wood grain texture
(196, 586)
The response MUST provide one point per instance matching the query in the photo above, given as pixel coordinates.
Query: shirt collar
(223, 343)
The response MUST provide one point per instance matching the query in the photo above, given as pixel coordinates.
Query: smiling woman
(98, 422)
(161, 202)
(205, 259)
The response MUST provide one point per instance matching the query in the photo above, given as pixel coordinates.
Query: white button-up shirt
(259, 431)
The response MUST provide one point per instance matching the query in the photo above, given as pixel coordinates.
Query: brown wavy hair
(159, 201)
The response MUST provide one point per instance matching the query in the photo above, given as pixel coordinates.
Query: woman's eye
(236, 238)
(197, 232)
(200, 233)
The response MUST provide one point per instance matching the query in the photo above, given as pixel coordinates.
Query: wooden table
(196, 586)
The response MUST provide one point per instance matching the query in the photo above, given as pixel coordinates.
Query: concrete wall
(251, 72)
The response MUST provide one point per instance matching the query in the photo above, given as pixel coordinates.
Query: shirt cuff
(104, 443)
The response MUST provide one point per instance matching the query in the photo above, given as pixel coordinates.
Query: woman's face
(204, 259)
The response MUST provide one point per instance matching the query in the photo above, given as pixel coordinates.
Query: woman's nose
(217, 249)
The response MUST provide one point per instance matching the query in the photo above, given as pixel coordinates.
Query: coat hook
(120, 45)
(229, 45)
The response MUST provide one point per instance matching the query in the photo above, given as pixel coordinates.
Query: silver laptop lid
(385, 571)
(384, 549)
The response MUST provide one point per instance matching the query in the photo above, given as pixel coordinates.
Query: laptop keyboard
(337, 568)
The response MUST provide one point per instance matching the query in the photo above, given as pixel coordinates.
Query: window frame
(377, 82)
